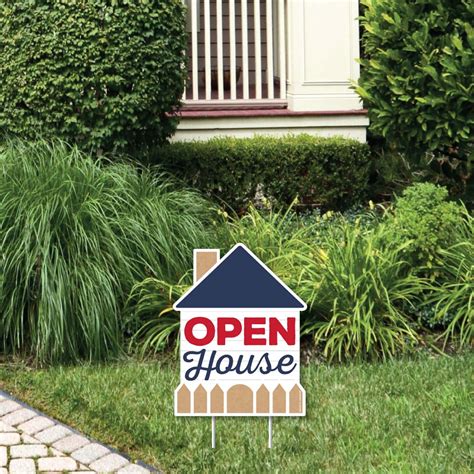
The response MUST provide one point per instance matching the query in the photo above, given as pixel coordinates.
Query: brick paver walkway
(31, 442)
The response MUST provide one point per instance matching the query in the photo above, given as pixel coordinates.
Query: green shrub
(355, 288)
(328, 172)
(423, 218)
(275, 237)
(453, 296)
(356, 271)
(75, 237)
(416, 78)
(102, 73)
(296, 249)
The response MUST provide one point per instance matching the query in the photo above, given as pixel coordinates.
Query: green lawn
(408, 415)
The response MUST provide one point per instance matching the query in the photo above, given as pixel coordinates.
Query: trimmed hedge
(327, 172)
(99, 73)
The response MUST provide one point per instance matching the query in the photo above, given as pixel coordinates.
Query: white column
(269, 15)
(207, 47)
(258, 50)
(233, 63)
(194, 48)
(282, 47)
(245, 49)
(220, 53)
(323, 44)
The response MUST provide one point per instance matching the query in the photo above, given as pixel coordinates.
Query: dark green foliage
(328, 172)
(355, 288)
(100, 73)
(418, 71)
(427, 221)
(453, 295)
(75, 237)
(364, 275)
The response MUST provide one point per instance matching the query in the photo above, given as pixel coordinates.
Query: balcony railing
(236, 52)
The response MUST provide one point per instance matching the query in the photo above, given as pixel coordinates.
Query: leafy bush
(299, 251)
(330, 172)
(101, 73)
(275, 237)
(366, 295)
(424, 219)
(453, 297)
(415, 78)
(355, 288)
(75, 237)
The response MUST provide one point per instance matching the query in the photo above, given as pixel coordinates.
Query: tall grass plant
(75, 236)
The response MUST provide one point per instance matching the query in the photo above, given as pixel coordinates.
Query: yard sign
(240, 350)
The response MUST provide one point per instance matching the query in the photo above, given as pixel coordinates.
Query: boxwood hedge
(327, 172)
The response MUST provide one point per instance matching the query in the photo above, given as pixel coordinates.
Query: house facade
(272, 67)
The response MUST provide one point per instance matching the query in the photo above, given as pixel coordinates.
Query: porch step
(212, 112)
(218, 105)
(205, 124)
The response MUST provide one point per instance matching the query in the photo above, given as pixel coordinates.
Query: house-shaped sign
(240, 349)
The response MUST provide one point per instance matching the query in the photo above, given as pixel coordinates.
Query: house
(239, 340)
(272, 67)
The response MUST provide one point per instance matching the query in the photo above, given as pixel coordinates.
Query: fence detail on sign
(239, 399)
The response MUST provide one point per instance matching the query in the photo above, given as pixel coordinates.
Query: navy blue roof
(240, 280)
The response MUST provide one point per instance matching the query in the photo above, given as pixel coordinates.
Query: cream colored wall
(350, 126)
(323, 44)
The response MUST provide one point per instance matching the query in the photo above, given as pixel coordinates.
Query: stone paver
(36, 424)
(22, 466)
(28, 451)
(7, 439)
(71, 443)
(31, 443)
(55, 452)
(57, 464)
(4, 428)
(109, 463)
(18, 416)
(27, 439)
(50, 435)
(90, 453)
(8, 406)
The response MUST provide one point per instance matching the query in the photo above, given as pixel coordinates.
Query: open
(257, 331)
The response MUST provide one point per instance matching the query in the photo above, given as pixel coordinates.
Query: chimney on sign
(204, 260)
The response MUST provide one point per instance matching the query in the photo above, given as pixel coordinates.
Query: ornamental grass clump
(75, 236)
(453, 296)
(275, 237)
(356, 288)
